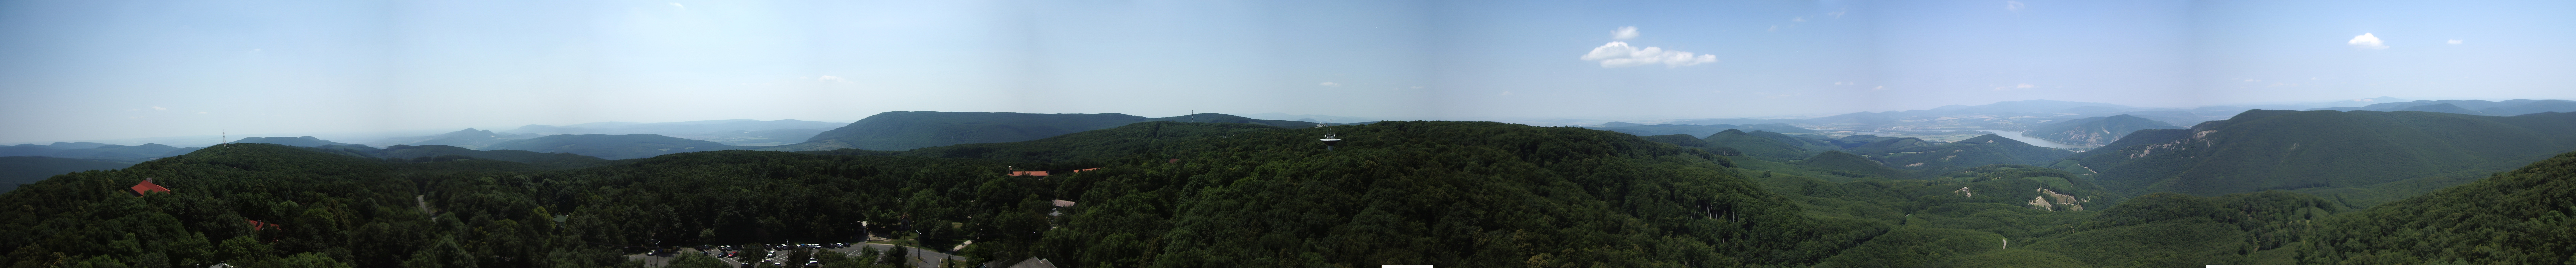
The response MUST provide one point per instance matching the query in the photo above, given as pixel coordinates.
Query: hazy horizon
(362, 137)
(96, 70)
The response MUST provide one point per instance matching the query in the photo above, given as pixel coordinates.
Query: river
(2016, 135)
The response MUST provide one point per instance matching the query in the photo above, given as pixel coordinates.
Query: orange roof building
(1087, 169)
(1028, 173)
(255, 225)
(147, 187)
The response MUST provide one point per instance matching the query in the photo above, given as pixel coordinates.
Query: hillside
(1180, 194)
(613, 147)
(2330, 153)
(1662, 205)
(431, 153)
(15, 170)
(1973, 152)
(2095, 131)
(1225, 118)
(1765, 144)
(306, 141)
(2516, 217)
(1857, 166)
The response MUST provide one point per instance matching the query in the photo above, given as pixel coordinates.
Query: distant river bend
(2016, 135)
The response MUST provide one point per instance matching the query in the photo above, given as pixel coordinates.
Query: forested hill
(1181, 194)
(1227, 118)
(1174, 194)
(306, 141)
(2527, 216)
(2358, 156)
(1457, 193)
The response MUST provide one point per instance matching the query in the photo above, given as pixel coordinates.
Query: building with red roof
(1028, 173)
(147, 187)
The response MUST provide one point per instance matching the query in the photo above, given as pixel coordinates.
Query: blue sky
(75, 70)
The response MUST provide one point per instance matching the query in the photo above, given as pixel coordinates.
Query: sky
(105, 69)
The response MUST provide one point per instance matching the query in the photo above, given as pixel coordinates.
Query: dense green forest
(2361, 157)
(1192, 194)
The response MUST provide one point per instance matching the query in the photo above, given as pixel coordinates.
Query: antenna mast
(1330, 138)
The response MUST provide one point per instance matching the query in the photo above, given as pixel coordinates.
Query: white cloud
(1619, 54)
(2455, 41)
(201, 112)
(2025, 85)
(1798, 19)
(828, 78)
(2366, 41)
(157, 108)
(2012, 5)
(1624, 33)
(677, 5)
(1330, 84)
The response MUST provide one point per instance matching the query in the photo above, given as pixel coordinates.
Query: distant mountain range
(542, 149)
(613, 147)
(15, 170)
(2009, 115)
(2029, 115)
(905, 130)
(469, 138)
(2475, 107)
(728, 132)
(111, 152)
(1694, 130)
(744, 132)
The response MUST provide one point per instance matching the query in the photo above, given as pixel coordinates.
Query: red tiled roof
(1028, 173)
(1087, 169)
(148, 187)
(255, 225)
